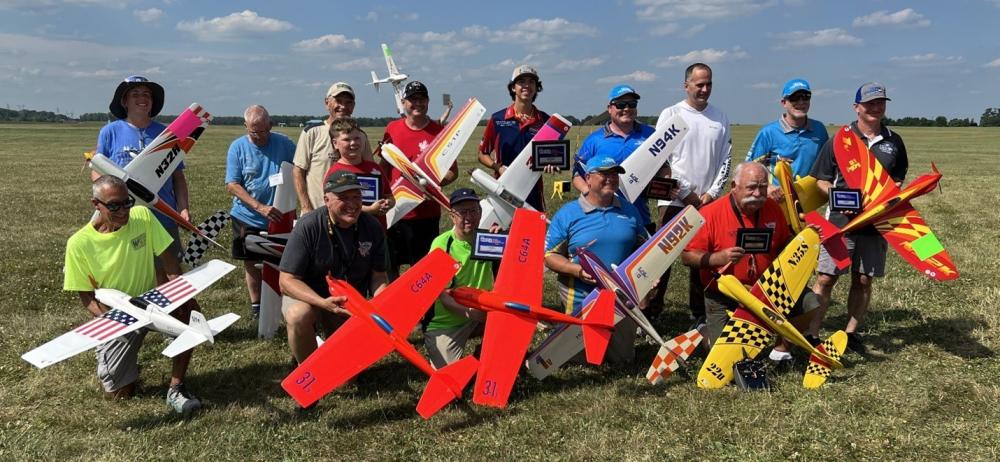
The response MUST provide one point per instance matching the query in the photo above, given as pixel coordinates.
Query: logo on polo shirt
(365, 248)
(139, 242)
(506, 123)
(886, 148)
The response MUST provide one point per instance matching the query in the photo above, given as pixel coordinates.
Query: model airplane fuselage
(395, 78)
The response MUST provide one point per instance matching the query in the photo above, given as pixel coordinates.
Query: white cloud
(534, 33)
(907, 18)
(371, 16)
(96, 74)
(329, 42)
(577, 64)
(354, 65)
(707, 56)
(995, 63)
(926, 60)
(197, 60)
(637, 76)
(828, 92)
(150, 15)
(672, 10)
(411, 16)
(673, 28)
(434, 45)
(233, 27)
(818, 38)
(763, 86)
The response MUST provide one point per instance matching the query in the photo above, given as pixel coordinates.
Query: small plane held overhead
(151, 168)
(514, 307)
(151, 309)
(378, 327)
(763, 312)
(888, 208)
(421, 178)
(508, 193)
(630, 281)
(395, 78)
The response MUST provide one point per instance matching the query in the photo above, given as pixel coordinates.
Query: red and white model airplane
(514, 307)
(378, 327)
(888, 208)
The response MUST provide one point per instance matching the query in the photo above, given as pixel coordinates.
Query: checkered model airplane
(151, 309)
(421, 178)
(630, 281)
(762, 314)
(888, 208)
(514, 309)
(378, 327)
(151, 168)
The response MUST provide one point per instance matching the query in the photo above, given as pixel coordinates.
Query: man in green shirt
(116, 251)
(452, 324)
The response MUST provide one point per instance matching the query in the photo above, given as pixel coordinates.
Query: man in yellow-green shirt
(452, 324)
(116, 251)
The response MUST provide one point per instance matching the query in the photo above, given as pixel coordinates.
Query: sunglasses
(116, 206)
(631, 104)
(799, 97)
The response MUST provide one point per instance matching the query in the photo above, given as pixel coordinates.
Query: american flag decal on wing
(107, 325)
(167, 293)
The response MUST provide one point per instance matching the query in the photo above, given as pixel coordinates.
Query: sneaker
(255, 310)
(854, 343)
(181, 401)
(779, 356)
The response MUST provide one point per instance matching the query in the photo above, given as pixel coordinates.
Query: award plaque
(370, 186)
(845, 200)
(552, 152)
(488, 246)
(754, 240)
(660, 188)
(446, 99)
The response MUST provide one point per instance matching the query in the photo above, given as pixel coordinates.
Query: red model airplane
(514, 309)
(888, 208)
(378, 327)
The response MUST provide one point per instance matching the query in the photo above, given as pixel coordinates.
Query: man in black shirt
(335, 239)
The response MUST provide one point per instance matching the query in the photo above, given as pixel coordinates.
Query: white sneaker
(778, 356)
(181, 401)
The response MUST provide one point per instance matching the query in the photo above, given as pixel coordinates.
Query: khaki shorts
(445, 346)
(118, 360)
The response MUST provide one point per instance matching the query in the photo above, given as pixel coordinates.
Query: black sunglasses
(625, 104)
(115, 206)
(799, 97)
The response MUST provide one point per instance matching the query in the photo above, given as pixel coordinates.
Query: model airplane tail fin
(197, 333)
(598, 326)
(375, 81)
(831, 238)
(818, 370)
(169, 211)
(198, 244)
(446, 385)
(674, 352)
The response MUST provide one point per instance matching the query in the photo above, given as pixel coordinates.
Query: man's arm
(296, 288)
(380, 279)
(721, 178)
(171, 266)
(181, 193)
(486, 151)
(451, 175)
(267, 211)
(299, 178)
(562, 265)
(469, 313)
(90, 302)
(697, 258)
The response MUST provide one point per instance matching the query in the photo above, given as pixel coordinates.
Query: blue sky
(936, 58)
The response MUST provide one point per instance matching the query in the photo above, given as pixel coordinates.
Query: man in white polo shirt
(700, 164)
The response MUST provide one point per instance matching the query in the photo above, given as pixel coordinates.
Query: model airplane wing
(154, 165)
(907, 232)
(817, 371)
(408, 196)
(861, 169)
(389, 62)
(518, 179)
(444, 149)
(645, 266)
(199, 243)
(109, 326)
(642, 165)
(359, 342)
(176, 292)
(743, 336)
(799, 197)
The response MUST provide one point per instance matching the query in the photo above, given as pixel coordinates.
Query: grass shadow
(953, 335)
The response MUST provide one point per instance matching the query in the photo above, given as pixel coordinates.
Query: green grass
(928, 391)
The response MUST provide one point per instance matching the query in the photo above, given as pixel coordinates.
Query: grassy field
(927, 391)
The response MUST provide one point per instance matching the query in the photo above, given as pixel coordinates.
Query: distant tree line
(990, 118)
(28, 115)
(939, 121)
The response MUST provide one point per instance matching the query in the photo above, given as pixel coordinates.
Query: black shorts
(240, 231)
(410, 240)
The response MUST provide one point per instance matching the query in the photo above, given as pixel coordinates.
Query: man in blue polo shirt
(794, 136)
(617, 139)
(606, 225)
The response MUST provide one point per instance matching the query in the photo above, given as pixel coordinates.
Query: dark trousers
(696, 291)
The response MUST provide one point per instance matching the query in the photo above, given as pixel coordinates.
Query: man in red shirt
(715, 246)
(410, 238)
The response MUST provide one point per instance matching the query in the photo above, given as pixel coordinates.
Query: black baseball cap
(340, 181)
(414, 88)
(462, 195)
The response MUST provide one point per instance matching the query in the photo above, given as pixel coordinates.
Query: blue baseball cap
(793, 86)
(603, 164)
(621, 90)
(870, 91)
(461, 195)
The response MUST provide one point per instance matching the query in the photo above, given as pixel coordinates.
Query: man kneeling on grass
(116, 251)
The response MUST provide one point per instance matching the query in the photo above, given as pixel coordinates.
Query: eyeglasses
(466, 213)
(799, 97)
(116, 206)
(631, 104)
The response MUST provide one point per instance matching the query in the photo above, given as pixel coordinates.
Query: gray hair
(107, 181)
(256, 113)
(743, 166)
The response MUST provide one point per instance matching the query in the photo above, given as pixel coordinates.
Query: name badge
(369, 188)
(754, 240)
(552, 152)
(488, 246)
(660, 188)
(275, 180)
(845, 200)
